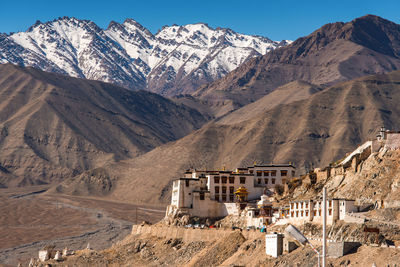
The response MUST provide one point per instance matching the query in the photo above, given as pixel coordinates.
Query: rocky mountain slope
(175, 60)
(336, 52)
(232, 249)
(285, 94)
(376, 180)
(309, 132)
(53, 126)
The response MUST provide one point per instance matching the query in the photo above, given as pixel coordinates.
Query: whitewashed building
(311, 210)
(212, 193)
(274, 244)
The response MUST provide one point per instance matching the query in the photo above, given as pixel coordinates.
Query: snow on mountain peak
(129, 55)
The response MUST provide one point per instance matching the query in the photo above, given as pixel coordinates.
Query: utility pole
(324, 228)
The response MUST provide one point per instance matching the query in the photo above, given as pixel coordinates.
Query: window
(259, 181)
(302, 213)
(283, 173)
(297, 213)
(306, 205)
(315, 213)
(242, 180)
(266, 180)
(231, 198)
(216, 179)
(273, 180)
(293, 173)
(231, 190)
(330, 212)
(292, 205)
(259, 173)
(223, 179)
(217, 197)
(201, 195)
(306, 213)
(291, 214)
(301, 205)
(223, 198)
(297, 205)
(231, 179)
(187, 183)
(330, 203)
(273, 173)
(224, 190)
(217, 189)
(266, 173)
(251, 171)
(319, 212)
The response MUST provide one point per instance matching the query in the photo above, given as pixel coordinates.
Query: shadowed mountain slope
(336, 52)
(53, 126)
(313, 131)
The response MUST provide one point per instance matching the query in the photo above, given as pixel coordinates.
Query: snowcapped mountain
(175, 60)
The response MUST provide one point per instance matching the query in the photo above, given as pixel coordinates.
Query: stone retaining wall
(353, 218)
(189, 234)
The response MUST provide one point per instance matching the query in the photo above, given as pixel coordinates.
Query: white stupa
(264, 201)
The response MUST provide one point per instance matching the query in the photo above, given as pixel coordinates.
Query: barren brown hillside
(53, 126)
(285, 94)
(336, 52)
(314, 131)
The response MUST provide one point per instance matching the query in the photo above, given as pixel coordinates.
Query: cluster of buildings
(247, 191)
(216, 194)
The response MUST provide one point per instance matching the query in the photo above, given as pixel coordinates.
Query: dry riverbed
(31, 219)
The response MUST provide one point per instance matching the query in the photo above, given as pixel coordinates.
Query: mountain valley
(311, 132)
(97, 123)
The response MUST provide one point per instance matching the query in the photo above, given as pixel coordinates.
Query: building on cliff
(215, 194)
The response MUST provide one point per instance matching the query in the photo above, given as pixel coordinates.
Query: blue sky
(274, 19)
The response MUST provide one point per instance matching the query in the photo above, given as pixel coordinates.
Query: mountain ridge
(177, 59)
(53, 127)
(334, 53)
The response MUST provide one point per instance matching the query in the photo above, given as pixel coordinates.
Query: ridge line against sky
(276, 20)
